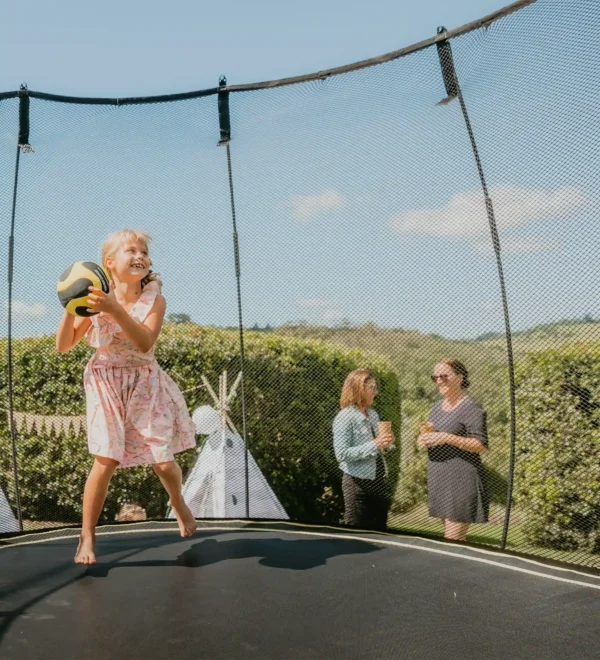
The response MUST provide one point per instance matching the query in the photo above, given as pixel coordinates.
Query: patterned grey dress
(456, 478)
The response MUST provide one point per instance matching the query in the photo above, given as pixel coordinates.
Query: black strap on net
(454, 92)
(225, 129)
(22, 145)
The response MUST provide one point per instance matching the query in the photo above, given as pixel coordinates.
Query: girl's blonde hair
(114, 241)
(353, 391)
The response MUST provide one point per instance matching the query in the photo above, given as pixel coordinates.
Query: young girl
(136, 414)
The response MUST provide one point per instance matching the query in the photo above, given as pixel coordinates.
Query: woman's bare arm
(437, 438)
(474, 445)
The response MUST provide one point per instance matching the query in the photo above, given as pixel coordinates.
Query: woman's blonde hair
(353, 391)
(114, 241)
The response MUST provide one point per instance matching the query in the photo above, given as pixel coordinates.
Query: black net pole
(453, 90)
(22, 144)
(225, 130)
(11, 416)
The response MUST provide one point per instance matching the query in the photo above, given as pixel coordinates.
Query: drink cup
(385, 428)
(427, 427)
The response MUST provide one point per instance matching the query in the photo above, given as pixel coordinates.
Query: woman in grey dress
(455, 439)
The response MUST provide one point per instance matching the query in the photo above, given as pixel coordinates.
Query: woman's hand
(427, 440)
(98, 301)
(384, 441)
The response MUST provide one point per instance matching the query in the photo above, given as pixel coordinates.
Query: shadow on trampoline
(52, 575)
(296, 555)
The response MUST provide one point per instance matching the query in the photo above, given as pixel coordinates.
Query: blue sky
(357, 198)
(137, 47)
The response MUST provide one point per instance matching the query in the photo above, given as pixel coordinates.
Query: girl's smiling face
(131, 261)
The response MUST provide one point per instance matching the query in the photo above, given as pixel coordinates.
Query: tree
(179, 318)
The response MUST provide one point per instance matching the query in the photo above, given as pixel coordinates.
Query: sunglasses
(443, 378)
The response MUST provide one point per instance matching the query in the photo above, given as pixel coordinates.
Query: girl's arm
(70, 330)
(142, 335)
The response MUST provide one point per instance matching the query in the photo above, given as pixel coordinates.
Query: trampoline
(265, 590)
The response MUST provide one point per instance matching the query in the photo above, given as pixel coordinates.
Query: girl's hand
(98, 301)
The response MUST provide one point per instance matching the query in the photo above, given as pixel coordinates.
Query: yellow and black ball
(73, 286)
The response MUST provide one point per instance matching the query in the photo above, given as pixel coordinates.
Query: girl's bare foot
(85, 550)
(185, 519)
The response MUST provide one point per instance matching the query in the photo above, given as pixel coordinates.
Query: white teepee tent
(216, 486)
(8, 522)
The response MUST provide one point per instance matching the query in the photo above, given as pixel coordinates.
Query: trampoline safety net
(430, 216)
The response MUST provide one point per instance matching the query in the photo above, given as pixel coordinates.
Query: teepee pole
(234, 387)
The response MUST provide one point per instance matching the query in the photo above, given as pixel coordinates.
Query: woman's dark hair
(459, 369)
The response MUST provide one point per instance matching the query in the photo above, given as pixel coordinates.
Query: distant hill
(410, 345)
(549, 335)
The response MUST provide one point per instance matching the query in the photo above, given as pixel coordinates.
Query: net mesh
(364, 243)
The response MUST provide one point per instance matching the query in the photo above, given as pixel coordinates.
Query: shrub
(557, 479)
(412, 485)
(292, 394)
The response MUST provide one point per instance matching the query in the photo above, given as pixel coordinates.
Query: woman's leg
(378, 513)
(457, 531)
(354, 501)
(380, 498)
(380, 501)
(170, 475)
(94, 496)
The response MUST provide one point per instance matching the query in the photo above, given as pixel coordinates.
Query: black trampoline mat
(287, 592)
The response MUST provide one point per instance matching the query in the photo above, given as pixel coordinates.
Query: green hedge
(292, 394)
(557, 483)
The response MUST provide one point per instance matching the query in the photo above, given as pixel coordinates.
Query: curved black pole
(225, 131)
(453, 90)
(22, 145)
(483, 22)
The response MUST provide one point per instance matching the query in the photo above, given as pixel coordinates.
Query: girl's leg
(457, 531)
(170, 476)
(94, 495)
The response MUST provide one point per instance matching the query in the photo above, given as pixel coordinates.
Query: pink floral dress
(136, 414)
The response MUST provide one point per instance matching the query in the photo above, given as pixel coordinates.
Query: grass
(417, 522)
